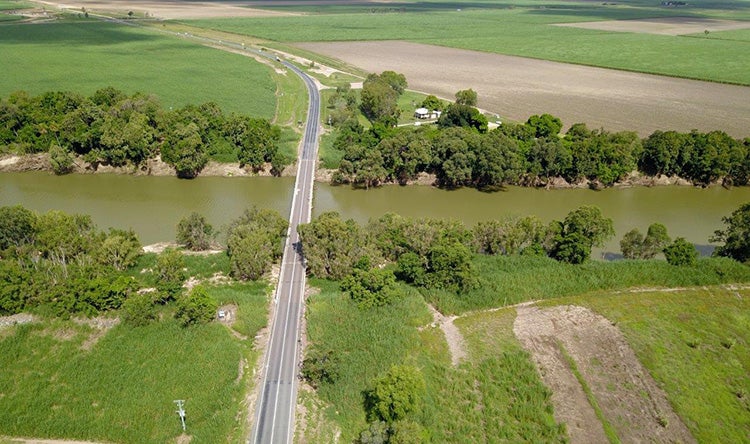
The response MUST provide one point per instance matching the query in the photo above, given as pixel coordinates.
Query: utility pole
(181, 411)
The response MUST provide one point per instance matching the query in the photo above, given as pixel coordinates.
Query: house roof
(422, 111)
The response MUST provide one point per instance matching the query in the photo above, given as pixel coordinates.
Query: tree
(197, 307)
(549, 157)
(170, 273)
(589, 222)
(379, 101)
(18, 226)
(60, 159)
(466, 97)
(394, 80)
(184, 149)
(120, 249)
(461, 115)
(397, 395)
(735, 235)
(411, 269)
(332, 246)
(582, 229)
(195, 232)
(449, 267)
(656, 239)
(250, 253)
(371, 288)
(63, 238)
(631, 244)
(545, 126)
(681, 252)
(573, 248)
(377, 432)
(433, 103)
(263, 219)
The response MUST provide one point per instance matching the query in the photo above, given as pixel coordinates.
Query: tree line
(437, 253)
(460, 151)
(113, 128)
(61, 264)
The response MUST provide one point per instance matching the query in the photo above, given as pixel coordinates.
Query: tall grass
(494, 398)
(506, 280)
(696, 345)
(121, 388)
(83, 56)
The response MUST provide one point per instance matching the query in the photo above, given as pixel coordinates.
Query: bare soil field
(165, 9)
(663, 26)
(517, 87)
(627, 395)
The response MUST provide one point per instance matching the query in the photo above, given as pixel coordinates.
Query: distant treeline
(532, 153)
(112, 128)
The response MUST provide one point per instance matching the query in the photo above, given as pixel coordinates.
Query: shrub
(197, 307)
(139, 310)
(194, 232)
(681, 252)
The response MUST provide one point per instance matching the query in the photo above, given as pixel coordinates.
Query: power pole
(181, 411)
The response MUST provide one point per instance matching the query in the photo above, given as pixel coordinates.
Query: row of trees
(437, 253)
(461, 151)
(110, 127)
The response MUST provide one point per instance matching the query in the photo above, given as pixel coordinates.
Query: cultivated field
(516, 88)
(85, 55)
(169, 9)
(664, 25)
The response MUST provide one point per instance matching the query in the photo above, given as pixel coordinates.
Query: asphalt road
(274, 421)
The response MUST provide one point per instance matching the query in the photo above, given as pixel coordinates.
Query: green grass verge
(496, 397)
(696, 345)
(506, 280)
(83, 56)
(527, 32)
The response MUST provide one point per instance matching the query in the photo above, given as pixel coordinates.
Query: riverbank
(157, 167)
(151, 167)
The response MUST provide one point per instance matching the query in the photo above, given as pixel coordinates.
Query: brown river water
(153, 206)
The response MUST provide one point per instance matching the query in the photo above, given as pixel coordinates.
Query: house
(424, 113)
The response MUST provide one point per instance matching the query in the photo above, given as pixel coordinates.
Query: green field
(121, 388)
(495, 397)
(83, 56)
(527, 31)
(693, 341)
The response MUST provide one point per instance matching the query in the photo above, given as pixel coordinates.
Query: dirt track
(628, 397)
(517, 87)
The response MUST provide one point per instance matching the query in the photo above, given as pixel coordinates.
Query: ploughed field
(516, 87)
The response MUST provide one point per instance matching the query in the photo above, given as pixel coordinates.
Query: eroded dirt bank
(629, 398)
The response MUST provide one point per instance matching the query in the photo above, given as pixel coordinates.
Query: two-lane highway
(274, 420)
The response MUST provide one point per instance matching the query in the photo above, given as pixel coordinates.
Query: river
(152, 206)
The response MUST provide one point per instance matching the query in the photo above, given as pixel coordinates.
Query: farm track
(517, 87)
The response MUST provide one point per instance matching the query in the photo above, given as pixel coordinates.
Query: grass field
(527, 31)
(506, 280)
(695, 343)
(83, 56)
(121, 389)
(496, 397)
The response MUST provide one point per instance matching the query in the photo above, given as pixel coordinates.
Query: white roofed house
(424, 113)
